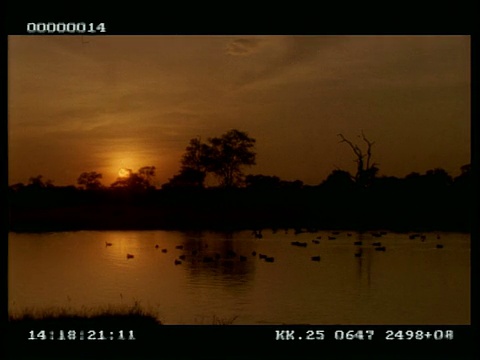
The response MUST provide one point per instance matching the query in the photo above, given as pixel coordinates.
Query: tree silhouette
(228, 154)
(187, 178)
(465, 178)
(438, 178)
(262, 182)
(338, 180)
(136, 181)
(90, 180)
(36, 182)
(194, 166)
(291, 185)
(195, 156)
(366, 172)
(222, 156)
(147, 173)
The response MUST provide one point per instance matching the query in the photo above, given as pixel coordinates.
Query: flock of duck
(377, 245)
(230, 254)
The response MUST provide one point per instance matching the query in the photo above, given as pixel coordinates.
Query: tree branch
(369, 149)
(355, 148)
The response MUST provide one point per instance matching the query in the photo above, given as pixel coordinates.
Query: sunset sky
(102, 103)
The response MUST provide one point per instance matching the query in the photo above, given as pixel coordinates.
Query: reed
(116, 316)
(121, 316)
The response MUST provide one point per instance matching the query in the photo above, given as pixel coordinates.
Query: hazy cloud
(132, 101)
(288, 59)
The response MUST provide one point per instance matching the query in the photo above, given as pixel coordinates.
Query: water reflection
(410, 282)
(216, 261)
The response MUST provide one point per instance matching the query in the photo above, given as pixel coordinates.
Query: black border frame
(249, 342)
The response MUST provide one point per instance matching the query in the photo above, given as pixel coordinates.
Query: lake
(411, 282)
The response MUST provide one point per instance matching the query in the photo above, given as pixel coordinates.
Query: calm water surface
(412, 282)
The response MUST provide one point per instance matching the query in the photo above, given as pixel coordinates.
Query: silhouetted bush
(431, 201)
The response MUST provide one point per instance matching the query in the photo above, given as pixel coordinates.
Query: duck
(243, 258)
(129, 256)
(177, 262)
(254, 253)
(439, 246)
(377, 244)
(298, 243)
(380, 248)
(182, 257)
(270, 259)
(331, 238)
(315, 258)
(316, 241)
(358, 243)
(108, 244)
(156, 246)
(257, 234)
(164, 250)
(231, 253)
(179, 247)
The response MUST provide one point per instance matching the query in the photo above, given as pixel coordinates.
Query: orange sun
(124, 172)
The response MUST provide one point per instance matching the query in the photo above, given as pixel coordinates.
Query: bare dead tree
(365, 171)
(369, 151)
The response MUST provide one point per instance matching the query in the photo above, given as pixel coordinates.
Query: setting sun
(123, 172)
(243, 180)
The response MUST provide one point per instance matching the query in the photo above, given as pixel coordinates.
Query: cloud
(287, 59)
(243, 46)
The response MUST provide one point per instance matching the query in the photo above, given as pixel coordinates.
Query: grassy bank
(109, 317)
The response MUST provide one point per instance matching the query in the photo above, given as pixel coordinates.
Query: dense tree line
(433, 200)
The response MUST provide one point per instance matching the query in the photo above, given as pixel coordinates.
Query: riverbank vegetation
(111, 317)
(365, 200)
